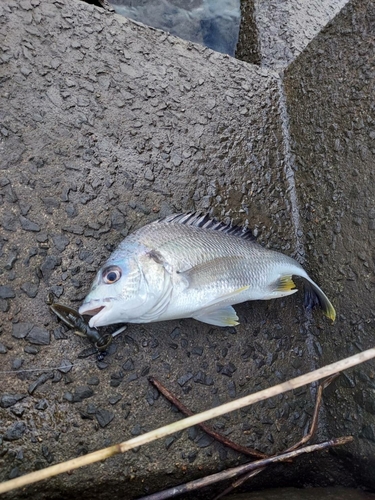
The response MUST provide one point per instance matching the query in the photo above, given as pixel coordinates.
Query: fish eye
(111, 275)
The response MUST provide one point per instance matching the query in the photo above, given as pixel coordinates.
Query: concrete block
(285, 28)
(330, 91)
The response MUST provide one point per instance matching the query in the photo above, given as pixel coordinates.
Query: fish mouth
(92, 312)
(97, 311)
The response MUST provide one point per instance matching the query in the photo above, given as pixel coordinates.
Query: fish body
(189, 266)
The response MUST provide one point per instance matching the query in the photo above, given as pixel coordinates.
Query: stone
(20, 330)
(39, 381)
(8, 400)
(15, 431)
(6, 292)
(38, 336)
(104, 417)
(31, 289)
(82, 393)
(29, 225)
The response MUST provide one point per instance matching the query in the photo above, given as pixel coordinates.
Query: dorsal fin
(198, 219)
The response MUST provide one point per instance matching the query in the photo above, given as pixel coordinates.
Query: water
(213, 23)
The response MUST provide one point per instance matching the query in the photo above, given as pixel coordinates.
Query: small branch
(148, 437)
(219, 437)
(314, 422)
(242, 469)
(239, 481)
(302, 441)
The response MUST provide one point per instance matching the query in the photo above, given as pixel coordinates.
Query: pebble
(104, 417)
(115, 383)
(4, 305)
(29, 225)
(203, 378)
(136, 430)
(17, 363)
(57, 376)
(49, 264)
(38, 382)
(197, 350)
(38, 336)
(232, 389)
(15, 431)
(82, 393)
(15, 472)
(94, 380)
(8, 400)
(47, 454)
(18, 411)
(3, 349)
(101, 364)
(184, 379)
(57, 290)
(128, 365)
(68, 396)
(114, 399)
(41, 405)
(228, 370)
(11, 261)
(204, 440)
(65, 366)
(60, 241)
(9, 222)
(31, 289)
(59, 333)
(42, 238)
(6, 292)
(169, 441)
(30, 349)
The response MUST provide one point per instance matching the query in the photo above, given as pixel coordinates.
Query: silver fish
(190, 266)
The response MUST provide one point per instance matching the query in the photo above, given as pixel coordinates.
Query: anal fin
(222, 316)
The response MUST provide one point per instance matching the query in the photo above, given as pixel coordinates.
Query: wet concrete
(332, 121)
(286, 28)
(105, 126)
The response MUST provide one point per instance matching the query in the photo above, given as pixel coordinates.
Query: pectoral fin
(219, 269)
(223, 316)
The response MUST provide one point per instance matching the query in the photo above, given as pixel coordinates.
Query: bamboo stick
(148, 437)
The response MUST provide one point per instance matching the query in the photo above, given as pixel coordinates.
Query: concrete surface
(286, 27)
(330, 94)
(107, 125)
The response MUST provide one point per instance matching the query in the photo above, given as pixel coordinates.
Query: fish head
(118, 292)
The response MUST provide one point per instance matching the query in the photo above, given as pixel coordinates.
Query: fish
(192, 266)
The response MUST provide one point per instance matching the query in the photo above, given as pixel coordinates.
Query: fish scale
(188, 265)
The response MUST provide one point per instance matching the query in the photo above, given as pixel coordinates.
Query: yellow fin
(330, 312)
(315, 296)
(284, 284)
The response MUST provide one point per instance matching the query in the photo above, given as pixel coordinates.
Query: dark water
(213, 23)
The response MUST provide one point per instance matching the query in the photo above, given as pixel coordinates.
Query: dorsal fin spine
(203, 221)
